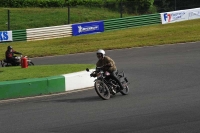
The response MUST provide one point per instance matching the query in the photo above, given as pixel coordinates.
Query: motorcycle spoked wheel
(5, 64)
(102, 90)
(125, 91)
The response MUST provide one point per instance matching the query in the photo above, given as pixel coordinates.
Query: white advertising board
(176, 16)
(194, 13)
(6, 36)
(181, 15)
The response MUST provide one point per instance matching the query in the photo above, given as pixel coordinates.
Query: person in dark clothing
(10, 58)
(108, 65)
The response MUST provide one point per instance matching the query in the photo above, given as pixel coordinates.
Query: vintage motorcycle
(5, 63)
(105, 86)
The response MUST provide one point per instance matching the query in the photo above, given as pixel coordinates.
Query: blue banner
(87, 28)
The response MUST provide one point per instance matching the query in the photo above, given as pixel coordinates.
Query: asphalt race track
(164, 97)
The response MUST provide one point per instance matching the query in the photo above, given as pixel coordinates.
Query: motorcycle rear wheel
(125, 91)
(5, 64)
(102, 90)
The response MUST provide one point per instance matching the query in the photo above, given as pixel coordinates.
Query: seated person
(10, 58)
(109, 65)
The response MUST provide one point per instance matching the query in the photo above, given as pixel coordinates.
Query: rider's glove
(93, 75)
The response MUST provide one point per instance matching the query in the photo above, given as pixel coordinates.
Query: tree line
(171, 5)
(128, 6)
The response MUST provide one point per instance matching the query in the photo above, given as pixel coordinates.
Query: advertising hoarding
(176, 16)
(181, 15)
(194, 13)
(87, 28)
(6, 36)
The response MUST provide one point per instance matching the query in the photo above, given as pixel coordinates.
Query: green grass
(15, 73)
(187, 31)
(25, 18)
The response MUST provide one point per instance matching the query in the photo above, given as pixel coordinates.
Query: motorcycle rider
(108, 65)
(10, 58)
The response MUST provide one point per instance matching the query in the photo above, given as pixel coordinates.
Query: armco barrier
(49, 32)
(66, 30)
(127, 22)
(47, 85)
(19, 35)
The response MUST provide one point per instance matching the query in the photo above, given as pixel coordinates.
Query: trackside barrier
(47, 85)
(31, 87)
(87, 28)
(84, 28)
(78, 80)
(49, 32)
(6, 36)
(127, 22)
(110, 24)
(180, 15)
(19, 35)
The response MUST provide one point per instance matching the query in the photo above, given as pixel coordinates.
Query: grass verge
(187, 31)
(16, 73)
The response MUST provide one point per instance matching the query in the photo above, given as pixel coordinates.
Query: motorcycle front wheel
(102, 90)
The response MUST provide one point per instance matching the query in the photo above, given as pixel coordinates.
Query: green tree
(138, 6)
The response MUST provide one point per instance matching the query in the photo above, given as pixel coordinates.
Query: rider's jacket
(10, 54)
(104, 61)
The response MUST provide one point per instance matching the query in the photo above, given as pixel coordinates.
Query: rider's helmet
(101, 51)
(9, 47)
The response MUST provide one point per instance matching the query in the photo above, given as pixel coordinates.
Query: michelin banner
(87, 28)
(6, 36)
(181, 15)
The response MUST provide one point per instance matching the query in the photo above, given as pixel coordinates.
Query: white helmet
(101, 51)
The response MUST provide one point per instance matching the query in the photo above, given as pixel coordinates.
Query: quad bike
(5, 63)
(105, 86)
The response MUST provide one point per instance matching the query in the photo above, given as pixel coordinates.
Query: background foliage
(128, 5)
(25, 14)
